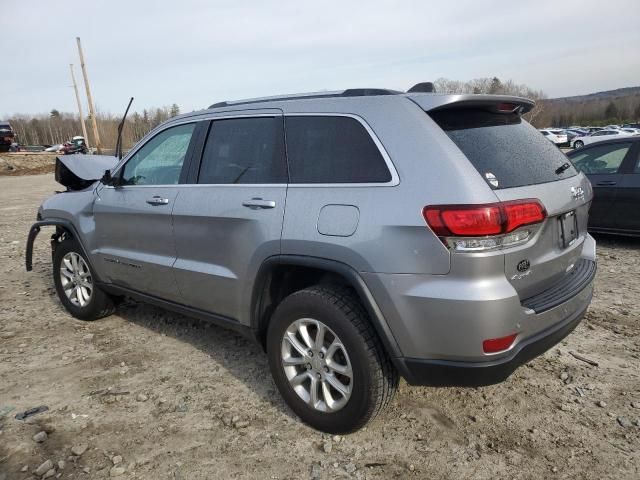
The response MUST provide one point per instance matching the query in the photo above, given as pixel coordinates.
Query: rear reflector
(482, 220)
(495, 345)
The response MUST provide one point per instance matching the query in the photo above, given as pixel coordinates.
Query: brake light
(464, 221)
(495, 345)
(507, 107)
(493, 223)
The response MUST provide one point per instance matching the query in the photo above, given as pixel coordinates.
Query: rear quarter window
(504, 146)
(332, 149)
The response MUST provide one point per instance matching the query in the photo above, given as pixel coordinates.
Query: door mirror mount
(107, 179)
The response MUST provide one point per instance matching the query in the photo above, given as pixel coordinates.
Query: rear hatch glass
(505, 149)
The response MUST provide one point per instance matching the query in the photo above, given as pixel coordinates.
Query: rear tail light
(484, 227)
(495, 345)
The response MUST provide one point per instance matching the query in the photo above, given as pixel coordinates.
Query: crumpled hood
(77, 172)
(88, 167)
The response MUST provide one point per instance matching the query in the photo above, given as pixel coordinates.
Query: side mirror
(107, 179)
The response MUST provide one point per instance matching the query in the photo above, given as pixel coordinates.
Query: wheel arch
(61, 224)
(299, 272)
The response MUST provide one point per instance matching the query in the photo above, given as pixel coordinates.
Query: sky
(196, 52)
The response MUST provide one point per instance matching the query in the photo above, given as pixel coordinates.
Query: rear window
(326, 149)
(506, 150)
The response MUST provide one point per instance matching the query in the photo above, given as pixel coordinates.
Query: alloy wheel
(317, 365)
(76, 280)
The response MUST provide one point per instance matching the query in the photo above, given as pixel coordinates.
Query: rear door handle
(158, 200)
(256, 203)
(606, 183)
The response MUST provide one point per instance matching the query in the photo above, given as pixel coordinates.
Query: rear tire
(352, 376)
(75, 283)
(578, 144)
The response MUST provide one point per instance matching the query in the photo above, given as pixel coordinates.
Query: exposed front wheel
(327, 361)
(75, 283)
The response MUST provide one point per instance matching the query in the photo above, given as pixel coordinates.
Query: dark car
(613, 167)
(7, 136)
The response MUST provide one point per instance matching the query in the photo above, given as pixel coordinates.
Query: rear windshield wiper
(562, 168)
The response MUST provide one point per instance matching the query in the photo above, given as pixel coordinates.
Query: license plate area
(568, 228)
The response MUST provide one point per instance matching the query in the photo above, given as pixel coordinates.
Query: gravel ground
(154, 395)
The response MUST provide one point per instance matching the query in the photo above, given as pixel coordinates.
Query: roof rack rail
(350, 92)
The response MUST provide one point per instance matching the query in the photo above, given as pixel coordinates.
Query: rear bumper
(475, 374)
(440, 322)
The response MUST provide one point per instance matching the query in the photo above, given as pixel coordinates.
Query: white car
(632, 131)
(53, 148)
(599, 136)
(557, 137)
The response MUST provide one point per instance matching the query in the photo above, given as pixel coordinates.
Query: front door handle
(606, 183)
(256, 203)
(158, 200)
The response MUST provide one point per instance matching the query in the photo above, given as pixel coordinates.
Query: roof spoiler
(493, 103)
(424, 87)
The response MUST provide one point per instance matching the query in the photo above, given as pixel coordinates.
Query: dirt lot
(165, 397)
(26, 163)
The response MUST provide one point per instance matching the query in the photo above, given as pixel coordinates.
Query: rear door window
(332, 149)
(503, 147)
(602, 159)
(244, 151)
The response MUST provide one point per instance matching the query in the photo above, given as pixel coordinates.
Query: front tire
(578, 144)
(75, 283)
(327, 360)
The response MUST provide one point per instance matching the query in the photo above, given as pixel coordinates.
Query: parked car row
(578, 137)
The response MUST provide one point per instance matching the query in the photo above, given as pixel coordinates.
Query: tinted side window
(160, 160)
(244, 150)
(337, 149)
(601, 159)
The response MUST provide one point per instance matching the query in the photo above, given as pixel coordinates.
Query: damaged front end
(77, 172)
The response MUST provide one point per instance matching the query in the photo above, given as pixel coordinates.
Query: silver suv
(358, 236)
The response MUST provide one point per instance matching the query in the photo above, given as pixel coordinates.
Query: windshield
(504, 146)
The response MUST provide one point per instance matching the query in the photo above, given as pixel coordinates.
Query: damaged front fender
(35, 229)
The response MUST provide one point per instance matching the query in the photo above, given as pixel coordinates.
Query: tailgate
(555, 249)
(518, 163)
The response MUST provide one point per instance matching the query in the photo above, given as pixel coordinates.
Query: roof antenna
(424, 87)
(119, 141)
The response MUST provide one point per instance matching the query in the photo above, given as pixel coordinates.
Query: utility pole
(75, 89)
(92, 111)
